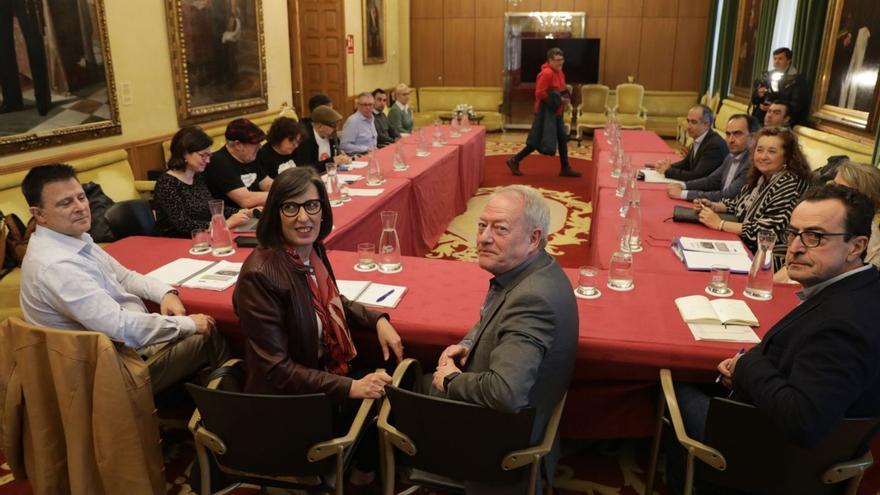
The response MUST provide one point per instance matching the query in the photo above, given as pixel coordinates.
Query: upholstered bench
(665, 108)
(433, 101)
(819, 145)
(109, 169)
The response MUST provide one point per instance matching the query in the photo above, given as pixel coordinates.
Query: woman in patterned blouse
(181, 195)
(778, 177)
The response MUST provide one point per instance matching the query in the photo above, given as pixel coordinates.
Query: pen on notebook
(384, 296)
(740, 352)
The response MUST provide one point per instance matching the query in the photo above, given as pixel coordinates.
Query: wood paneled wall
(659, 42)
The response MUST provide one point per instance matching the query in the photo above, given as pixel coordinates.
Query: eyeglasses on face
(812, 238)
(291, 208)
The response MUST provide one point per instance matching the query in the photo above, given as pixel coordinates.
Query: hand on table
(342, 159)
(674, 190)
(662, 166)
(389, 339)
(371, 386)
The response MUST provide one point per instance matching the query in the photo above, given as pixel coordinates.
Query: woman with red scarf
(296, 323)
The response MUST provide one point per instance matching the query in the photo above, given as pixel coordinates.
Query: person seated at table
(298, 327)
(821, 362)
(777, 115)
(778, 176)
(318, 100)
(234, 175)
(359, 133)
(69, 282)
(400, 115)
(181, 195)
(522, 351)
(705, 155)
(727, 180)
(866, 180)
(276, 154)
(320, 145)
(385, 134)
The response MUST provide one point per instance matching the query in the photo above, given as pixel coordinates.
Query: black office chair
(489, 447)
(745, 452)
(131, 217)
(282, 441)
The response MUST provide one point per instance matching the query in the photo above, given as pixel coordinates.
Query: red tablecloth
(602, 169)
(618, 354)
(658, 230)
(358, 220)
(633, 140)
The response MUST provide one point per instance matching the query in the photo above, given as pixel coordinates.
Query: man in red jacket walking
(551, 96)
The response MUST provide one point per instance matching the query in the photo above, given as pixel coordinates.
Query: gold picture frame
(374, 31)
(218, 58)
(846, 86)
(77, 97)
(747, 19)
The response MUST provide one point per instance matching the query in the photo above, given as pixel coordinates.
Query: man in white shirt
(69, 282)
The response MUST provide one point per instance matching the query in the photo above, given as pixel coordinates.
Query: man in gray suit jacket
(522, 351)
(728, 179)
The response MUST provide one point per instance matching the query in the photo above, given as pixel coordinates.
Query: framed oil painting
(374, 31)
(846, 90)
(744, 53)
(56, 74)
(218, 58)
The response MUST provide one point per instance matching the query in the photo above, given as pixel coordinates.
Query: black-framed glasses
(812, 238)
(291, 208)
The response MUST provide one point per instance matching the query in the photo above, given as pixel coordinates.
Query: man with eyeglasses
(234, 174)
(821, 362)
(359, 133)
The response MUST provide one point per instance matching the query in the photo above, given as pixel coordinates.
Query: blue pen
(385, 295)
(738, 353)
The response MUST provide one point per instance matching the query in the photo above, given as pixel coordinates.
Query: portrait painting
(744, 55)
(218, 57)
(374, 31)
(850, 63)
(56, 74)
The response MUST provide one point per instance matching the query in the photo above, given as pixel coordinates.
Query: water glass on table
(201, 241)
(620, 272)
(366, 257)
(718, 284)
(587, 283)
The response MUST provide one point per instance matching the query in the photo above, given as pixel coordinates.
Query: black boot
(567, 171)
(513, 165)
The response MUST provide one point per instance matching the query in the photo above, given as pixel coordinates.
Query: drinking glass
(221, 237)
(366, 257)
(620, 272)
(587, 282)
(718, 283)
(201, 241)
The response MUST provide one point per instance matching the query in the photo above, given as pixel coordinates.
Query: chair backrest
(714, 102)
(132, 217)
(629, 98)
(266, 435)
(594, 98)
(483, 436)
(761, 460)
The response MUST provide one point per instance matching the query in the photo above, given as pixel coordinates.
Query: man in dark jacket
(320, 145)
(705, 155)
(385, 134)
(551, 80)
(783, 84)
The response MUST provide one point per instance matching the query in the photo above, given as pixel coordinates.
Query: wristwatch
(172, 291)
(448, 379)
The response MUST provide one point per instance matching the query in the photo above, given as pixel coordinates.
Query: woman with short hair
(400, 115)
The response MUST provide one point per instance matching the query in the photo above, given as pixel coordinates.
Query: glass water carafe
(399, 164)
(221, 237)
(421, 144)
(389, 244)
(759, 285)
(331, 181)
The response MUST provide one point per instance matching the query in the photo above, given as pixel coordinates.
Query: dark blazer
(712, 187)
(820, 363)
(273, 302)
(307, 151)
(710, 154)
(524, 347)
(548, 127)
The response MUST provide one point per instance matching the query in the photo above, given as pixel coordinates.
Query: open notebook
(371, 293)
(723, 320)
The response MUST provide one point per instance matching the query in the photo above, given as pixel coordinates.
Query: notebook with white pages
(371, 293)
(719, 320)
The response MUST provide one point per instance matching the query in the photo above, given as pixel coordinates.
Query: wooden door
(317, 51)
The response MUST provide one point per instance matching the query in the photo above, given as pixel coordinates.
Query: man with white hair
(522, 350)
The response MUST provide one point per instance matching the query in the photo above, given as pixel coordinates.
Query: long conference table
(624, 337)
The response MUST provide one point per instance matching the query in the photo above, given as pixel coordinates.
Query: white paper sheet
(219, 277)
(179, 270)
(369, 193)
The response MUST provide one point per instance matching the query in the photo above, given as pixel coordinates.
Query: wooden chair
(490, 446)
(747, 453)
(282, 441)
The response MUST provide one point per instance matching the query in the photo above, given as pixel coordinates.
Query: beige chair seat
(630, 110)
(593, 110)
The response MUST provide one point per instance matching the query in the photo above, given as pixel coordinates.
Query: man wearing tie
(707, 152)
(521, 353)
(727, 180)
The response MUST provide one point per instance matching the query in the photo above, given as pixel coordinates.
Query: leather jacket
(273, 302)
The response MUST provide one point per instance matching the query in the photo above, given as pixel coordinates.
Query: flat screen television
(581, 58)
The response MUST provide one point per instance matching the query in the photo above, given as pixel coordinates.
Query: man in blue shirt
(359, 133)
